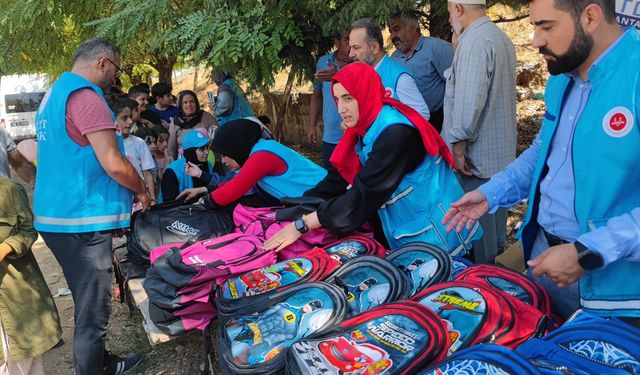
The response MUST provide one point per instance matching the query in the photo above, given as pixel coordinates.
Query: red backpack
(476, 313)
(511, 282)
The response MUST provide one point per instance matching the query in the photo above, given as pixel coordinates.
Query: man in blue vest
(84, 190)
(367, 46)
(581, 234)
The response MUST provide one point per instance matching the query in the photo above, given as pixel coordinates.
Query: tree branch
(501, 19)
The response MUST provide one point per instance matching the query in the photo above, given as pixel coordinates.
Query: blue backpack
(483, 359)
(587, 344)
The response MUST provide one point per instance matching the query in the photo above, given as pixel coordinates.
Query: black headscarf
(236, 139)
(182, 120)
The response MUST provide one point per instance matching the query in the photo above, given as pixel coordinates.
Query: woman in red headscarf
(398, 166)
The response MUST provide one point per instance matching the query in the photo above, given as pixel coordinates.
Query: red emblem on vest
(618, 121)
(388, 93)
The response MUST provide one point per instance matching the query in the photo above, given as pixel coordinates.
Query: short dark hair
(576, 7)
(373, 32)
(95, 48)
(120, 103)
(161, 89)
(408, 17)
(137, 90)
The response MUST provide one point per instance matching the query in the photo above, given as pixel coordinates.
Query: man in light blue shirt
(583, 222)
(322, 98)
(427, 58)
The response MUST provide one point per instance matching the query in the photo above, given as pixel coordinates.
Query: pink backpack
(261, 222)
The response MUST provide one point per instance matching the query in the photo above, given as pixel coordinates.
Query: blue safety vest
(606, 151)
(415, 210)
(390, 72)
(301, 175)
(73, 193)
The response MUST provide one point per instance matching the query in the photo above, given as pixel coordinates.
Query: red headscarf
(363, 83)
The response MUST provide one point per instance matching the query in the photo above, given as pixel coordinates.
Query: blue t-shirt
(330, 117)
(428, 62)
(167, 114)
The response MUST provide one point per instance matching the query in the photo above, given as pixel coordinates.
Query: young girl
(397, 164)
(269, 168)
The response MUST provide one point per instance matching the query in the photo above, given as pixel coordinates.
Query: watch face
(590, 260)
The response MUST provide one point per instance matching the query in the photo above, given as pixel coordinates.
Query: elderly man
(480, 110)
(580, 173)
(367, 46)
(427, 58)
(84, 190)
(9, 155)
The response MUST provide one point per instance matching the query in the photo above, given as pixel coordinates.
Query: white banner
(628, 13)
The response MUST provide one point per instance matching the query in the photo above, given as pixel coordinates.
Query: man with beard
(367, 46)
(480, 111)
(580, 173)
(427, 58)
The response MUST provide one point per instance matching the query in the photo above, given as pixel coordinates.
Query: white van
(20, 96)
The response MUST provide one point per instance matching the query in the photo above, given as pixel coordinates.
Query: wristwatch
(587, 258)
(301, 226)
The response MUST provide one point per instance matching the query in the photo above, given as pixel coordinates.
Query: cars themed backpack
(395, 338)
(252, 287)
(423, 264)
(256, 341)
(369, 281)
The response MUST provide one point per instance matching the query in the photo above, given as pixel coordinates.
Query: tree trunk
(281, 114)
(439, 26)
(164, 65)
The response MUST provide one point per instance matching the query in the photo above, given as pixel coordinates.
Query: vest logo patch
(388, 93)
(618, 122)
(182, 229)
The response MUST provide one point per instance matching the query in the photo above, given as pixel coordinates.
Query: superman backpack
(395, 338)
(423, 264)
(511, 282)
(256, 341)
(587, 343)
(476, 313)
(253, 287)
(369, 281)
(354, 246)
(483, 359)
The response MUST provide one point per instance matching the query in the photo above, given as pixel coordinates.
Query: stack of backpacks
(349, 306)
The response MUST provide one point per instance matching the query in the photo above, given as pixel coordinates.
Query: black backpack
(175, 222)
(369, 281)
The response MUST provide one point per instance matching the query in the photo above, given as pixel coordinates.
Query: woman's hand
(285, 237)
(192, 170)
(191, 194)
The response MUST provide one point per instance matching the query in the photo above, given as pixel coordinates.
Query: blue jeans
(564, 301)
(85, 259)
(327, 150)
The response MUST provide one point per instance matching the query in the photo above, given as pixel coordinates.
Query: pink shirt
(86, 113)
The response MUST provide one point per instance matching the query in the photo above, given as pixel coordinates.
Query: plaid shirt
(480, 98)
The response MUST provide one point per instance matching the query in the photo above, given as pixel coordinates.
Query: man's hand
(192, 170)
(191, 194)
(144, 199)
(461, 165)
(312, 135)
(466, 211)
(326, 74)
(285, 237)
(559, 263)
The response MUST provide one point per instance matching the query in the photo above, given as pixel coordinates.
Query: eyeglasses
(119, 70)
